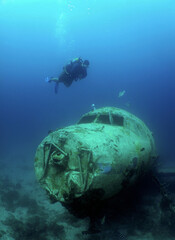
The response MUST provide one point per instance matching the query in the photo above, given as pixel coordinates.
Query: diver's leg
(66, 79)
(56, 87)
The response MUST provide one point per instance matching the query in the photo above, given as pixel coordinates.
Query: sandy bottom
(26, 213)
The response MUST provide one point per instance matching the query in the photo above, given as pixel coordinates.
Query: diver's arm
(82, 73)
(54, 79)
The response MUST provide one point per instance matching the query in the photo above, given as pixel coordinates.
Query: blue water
(130, 45)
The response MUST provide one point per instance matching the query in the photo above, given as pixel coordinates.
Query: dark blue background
(130, 45)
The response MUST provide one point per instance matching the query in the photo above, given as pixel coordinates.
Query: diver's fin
(47, 79)
(56, 87)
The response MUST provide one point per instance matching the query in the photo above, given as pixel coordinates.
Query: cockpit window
(103, 118)
(87, 119)
(117, 120)
(107, 118)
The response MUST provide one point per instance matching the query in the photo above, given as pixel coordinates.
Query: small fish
(121, 93)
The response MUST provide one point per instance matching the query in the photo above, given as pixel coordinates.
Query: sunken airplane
(103, 154)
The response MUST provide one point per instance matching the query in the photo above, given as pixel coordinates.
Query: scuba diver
(75, 70)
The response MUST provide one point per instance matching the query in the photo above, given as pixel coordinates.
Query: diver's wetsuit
(72, 71)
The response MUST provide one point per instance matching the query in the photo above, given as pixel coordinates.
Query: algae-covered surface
(107, 150)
